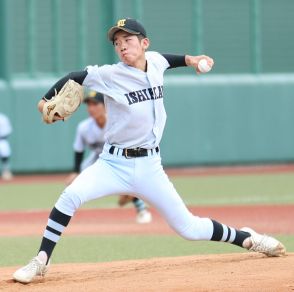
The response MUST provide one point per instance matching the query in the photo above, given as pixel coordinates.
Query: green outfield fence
(239, 113)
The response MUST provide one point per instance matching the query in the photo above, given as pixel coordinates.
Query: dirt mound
(230, 272)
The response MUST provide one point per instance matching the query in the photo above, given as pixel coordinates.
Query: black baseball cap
(94, 96)
(129, 25)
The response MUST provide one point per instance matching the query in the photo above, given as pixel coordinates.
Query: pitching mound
(231, 272)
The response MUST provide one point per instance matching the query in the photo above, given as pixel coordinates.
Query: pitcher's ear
(146, 43)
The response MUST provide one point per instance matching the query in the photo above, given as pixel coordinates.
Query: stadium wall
(220, 119)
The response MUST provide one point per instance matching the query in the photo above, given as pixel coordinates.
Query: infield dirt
(230, 272)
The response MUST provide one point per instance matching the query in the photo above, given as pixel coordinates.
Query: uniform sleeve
(78, 158)
(78, 77)
(175, 60)
(99, 78)
(94, 77)
(159, 61)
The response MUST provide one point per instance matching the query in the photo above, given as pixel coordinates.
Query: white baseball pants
(91, 159)
(144, 176)
(5, 150)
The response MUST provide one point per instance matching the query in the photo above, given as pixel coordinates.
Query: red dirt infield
(276, 219)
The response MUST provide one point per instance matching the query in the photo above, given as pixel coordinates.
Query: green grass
(201, 190)
(237, 189)
(29, 196)
(73, 249)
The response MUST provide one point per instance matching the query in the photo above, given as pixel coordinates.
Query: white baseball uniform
(136, 118)
(89, 135)
(5, 131)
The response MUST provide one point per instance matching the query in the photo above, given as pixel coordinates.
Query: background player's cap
(94, 96)
(129, 25)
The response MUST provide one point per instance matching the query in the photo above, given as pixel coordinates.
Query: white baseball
(203, 66)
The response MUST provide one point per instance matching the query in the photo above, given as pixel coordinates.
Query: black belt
(135, 152)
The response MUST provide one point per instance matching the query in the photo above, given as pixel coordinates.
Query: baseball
(203, 66)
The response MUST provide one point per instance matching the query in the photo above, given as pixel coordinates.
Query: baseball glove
(64, 103)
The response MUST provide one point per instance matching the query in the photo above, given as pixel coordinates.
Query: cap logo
(121, 22)
(92, 93)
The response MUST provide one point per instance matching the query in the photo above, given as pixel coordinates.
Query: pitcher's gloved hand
(64, 103)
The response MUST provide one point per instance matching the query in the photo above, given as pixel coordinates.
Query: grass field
(197, 191)
(201, 190)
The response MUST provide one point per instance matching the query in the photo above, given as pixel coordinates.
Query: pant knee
(196, 229)
(68, 202)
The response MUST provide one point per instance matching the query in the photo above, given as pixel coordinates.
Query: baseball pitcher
(131, 158)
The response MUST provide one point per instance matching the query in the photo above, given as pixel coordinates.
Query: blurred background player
(5, 150)
(90, 134)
